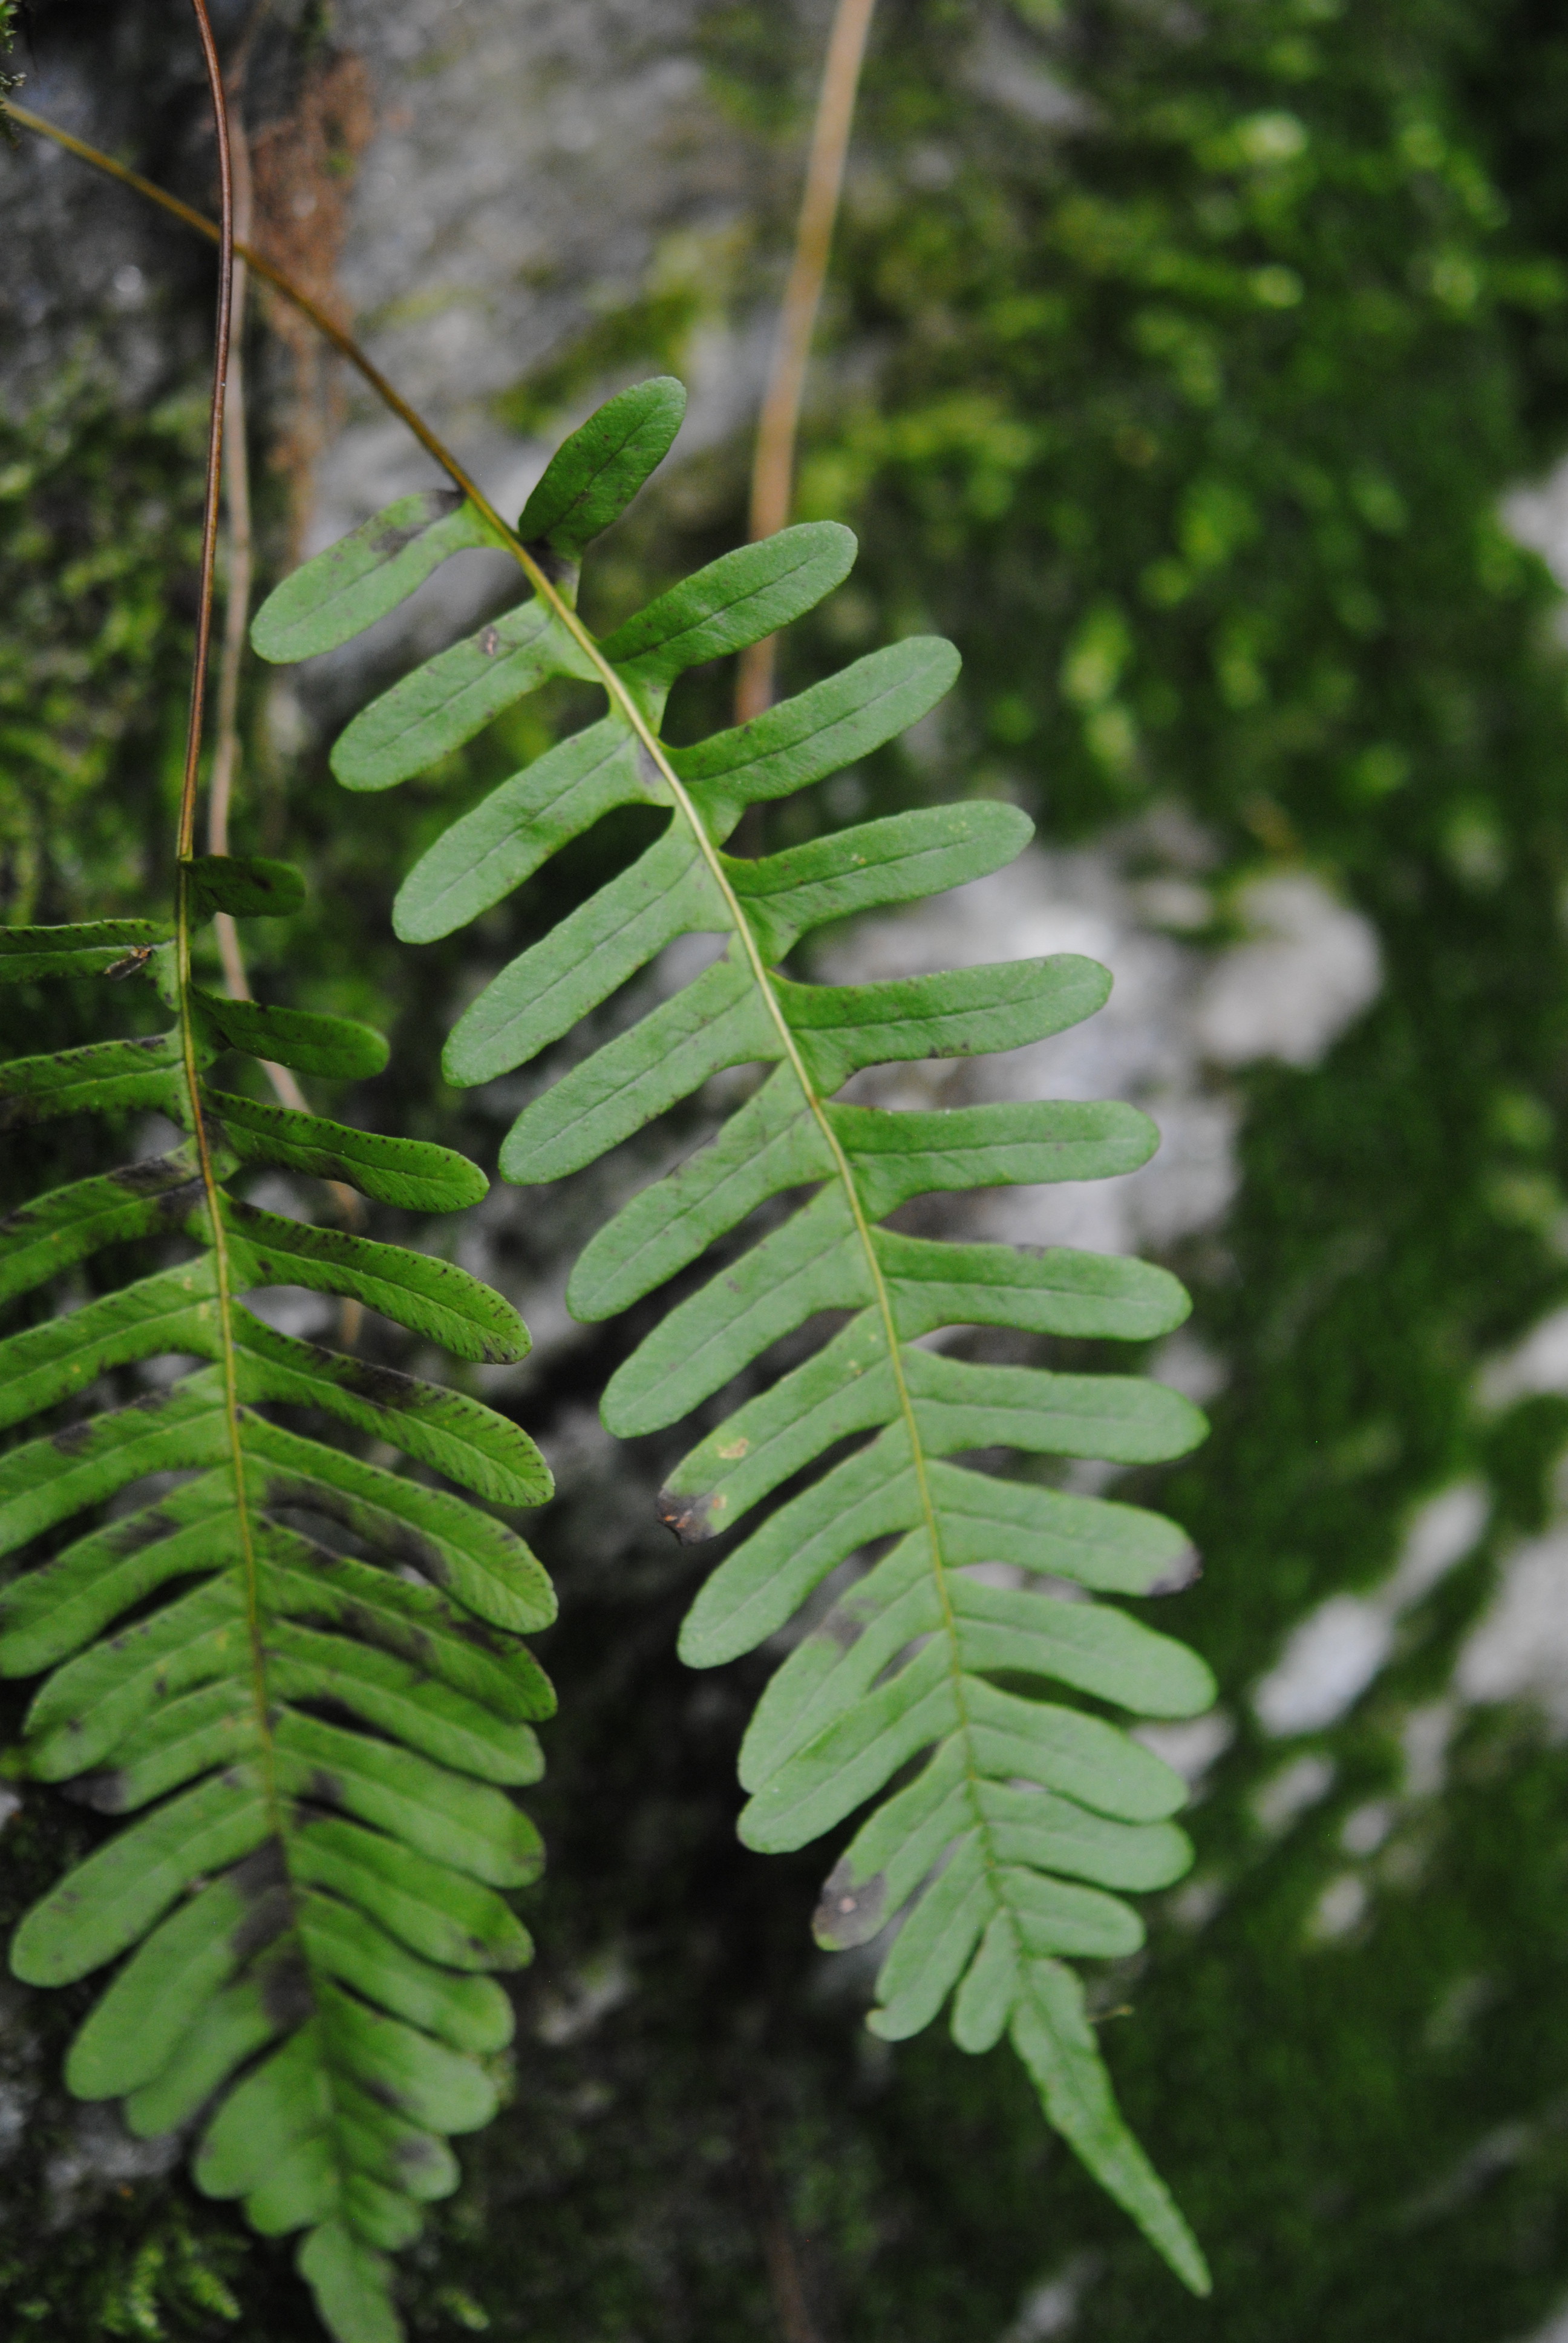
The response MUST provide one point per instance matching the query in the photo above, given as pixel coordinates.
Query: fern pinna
(299, 1669)
(1014, 1814)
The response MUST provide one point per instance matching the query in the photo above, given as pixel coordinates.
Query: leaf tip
(850, 1911)
(690, 1518)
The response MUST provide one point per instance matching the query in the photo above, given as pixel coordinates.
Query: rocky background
(1196, 369)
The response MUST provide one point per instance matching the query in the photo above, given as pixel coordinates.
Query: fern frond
(298, 1670)
(1026, 1810)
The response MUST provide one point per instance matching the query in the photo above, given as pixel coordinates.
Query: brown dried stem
(187, 835)
(779, 425)
(240, 564)
(241, 568)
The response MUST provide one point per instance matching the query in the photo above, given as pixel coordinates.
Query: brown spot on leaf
(691, 1518)
(1184, 1572)
(490, 641)
(849, 1913)
(72, 1438)
(131, 964)
(841, 1627)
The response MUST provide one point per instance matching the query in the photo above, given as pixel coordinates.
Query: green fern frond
(298, 1669)
(1025, 1812)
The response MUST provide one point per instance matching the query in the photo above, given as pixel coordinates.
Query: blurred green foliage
(100, 524)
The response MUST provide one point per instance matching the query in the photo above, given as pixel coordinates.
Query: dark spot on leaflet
(285, 1994)
(416, 2150)
(396, 1634)
(268, 1918)
(485, 1639)
(391, 1536)
(648, 771)
(260, 1872)
(1184, 1572)
(156, 1175)
(324, 1789)
(106, 1793)
(691, 1518)
(153, 1403)
(841, 1627)
(131, 964)
(435, 504)
(142, 1529)
(560, 569)
(72, 1439)
(848, 1915)
(384, 1386)
(375, 2087)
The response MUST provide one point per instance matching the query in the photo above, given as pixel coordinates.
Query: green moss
(99, 535)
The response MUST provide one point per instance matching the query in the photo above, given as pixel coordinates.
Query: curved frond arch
(955, 1704)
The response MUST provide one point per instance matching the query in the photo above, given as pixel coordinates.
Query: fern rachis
(1024, 1811)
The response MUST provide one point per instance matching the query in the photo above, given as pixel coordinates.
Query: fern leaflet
(1022, 1811)
(298, 1669)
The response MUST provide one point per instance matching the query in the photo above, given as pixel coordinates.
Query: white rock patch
(1334, 1652)
(1519, 1648)
(1311, 968)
